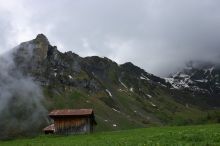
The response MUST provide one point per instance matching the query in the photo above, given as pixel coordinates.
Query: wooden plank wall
(72, 125)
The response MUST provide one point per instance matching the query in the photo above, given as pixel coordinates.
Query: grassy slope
(133, 112)
(106, 117)
(202, 135)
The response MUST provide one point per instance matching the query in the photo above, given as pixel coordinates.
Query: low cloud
(21, 108)
(160, 36)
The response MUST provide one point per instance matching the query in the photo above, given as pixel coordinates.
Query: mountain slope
(123, 96)
(200, 78)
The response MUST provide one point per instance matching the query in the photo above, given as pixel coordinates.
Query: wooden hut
(49, 129)
(71, 121)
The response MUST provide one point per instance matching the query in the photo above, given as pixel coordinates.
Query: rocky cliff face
(36, 49)
(49, 66)
(41, 48)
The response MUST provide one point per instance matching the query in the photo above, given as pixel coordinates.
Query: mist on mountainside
(21, 109)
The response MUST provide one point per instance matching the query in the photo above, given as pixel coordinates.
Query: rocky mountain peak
(42, 38)
(130, 67)
(28, 55)
(197, 76)
(40, 48)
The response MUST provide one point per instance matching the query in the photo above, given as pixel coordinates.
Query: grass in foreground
(202, 135)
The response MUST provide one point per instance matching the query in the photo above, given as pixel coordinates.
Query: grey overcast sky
(157, 35)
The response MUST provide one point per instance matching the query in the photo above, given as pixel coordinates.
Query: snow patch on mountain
(143, 77)
(152, 104)
(70, 77)
(115, 110)
(122, 83)
(202, 81)
(148, 95)
(172, 82)
(109, 93)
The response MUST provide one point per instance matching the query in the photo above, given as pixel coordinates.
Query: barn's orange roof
(71, 112)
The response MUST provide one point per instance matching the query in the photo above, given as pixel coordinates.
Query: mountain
(123, 96)
(200, 78)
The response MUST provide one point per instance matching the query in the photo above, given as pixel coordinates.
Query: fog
(21, 108)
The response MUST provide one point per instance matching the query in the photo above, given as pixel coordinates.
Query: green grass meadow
(201, 135)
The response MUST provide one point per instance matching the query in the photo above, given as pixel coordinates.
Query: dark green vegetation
(134, 112)
(206, 135)
(122, 96)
